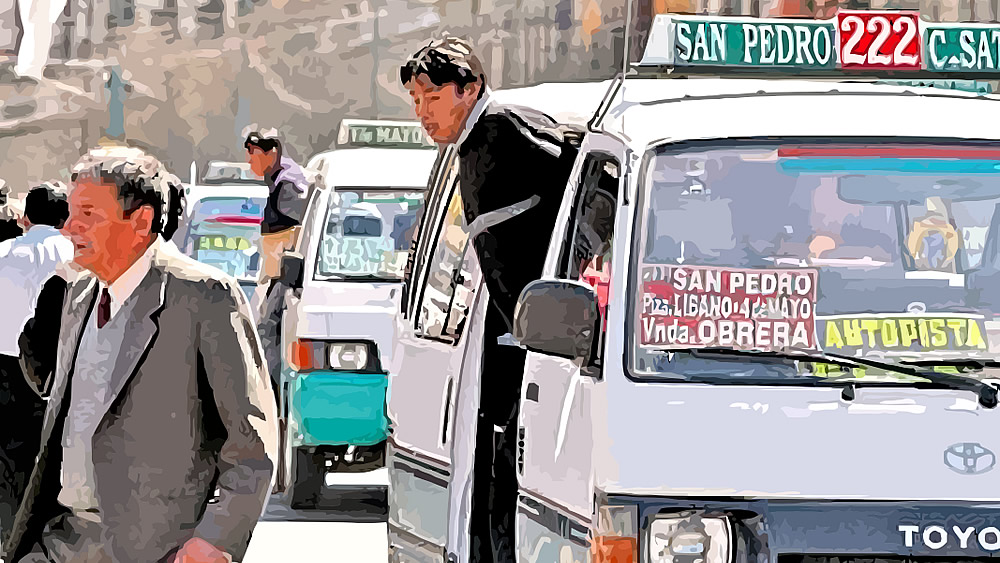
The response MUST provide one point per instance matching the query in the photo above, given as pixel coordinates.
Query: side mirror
(292, 270)
(558, 317)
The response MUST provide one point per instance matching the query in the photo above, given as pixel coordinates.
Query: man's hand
(197, 550)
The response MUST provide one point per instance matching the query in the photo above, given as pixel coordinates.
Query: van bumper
(796, 530)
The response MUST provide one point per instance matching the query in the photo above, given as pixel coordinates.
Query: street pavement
(347, 528)
(344, 527)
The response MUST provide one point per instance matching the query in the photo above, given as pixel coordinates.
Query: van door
(429, 356)
(556, 415)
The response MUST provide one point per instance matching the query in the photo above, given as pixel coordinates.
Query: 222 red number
(879, 39)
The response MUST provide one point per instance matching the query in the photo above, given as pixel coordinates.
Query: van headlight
(349, 356)
(306, 355)
(690, 539)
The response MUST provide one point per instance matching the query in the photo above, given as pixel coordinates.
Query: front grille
(865, 558)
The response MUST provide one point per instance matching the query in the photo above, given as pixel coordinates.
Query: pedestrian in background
(288, 186)
(159, 442)
(509, 158)
(10, 218)
(10, 223)
(26, 264)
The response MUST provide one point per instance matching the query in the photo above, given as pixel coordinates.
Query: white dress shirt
(26, 263)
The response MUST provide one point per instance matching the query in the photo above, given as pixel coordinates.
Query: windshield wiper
(988, 394)
(361, 277)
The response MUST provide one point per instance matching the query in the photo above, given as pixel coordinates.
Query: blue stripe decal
(889, 166)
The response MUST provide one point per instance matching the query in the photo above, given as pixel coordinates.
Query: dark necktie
(104, 309)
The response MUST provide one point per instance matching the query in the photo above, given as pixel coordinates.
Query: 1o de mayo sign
(386, 134)
(861, 40)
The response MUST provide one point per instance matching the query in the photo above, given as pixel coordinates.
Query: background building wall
(186, 78)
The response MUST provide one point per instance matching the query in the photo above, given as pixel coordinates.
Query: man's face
(261, 161)
(103, 237)
(442, 110)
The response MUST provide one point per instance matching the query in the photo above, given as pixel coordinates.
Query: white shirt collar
(123, 287)
(477, 112)
(43, 229)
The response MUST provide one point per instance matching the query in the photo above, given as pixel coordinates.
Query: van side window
(586, 252)
(449, 290)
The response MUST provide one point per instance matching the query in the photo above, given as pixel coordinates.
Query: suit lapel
(142, 328)
(75, 314)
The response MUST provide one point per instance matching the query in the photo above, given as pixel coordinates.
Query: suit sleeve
(231, 356)
(39, 338)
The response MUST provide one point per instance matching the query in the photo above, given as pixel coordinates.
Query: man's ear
(471, 91)
(142, 220)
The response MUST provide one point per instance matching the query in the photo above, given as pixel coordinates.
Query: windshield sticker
(222, 242)
(356, 255)
(687, 307)
(896, 333)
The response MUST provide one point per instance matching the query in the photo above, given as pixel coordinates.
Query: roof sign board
(720, 41)
(853, 40)
(383, 134)
(962, 47)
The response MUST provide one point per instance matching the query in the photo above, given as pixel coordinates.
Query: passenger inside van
(592, 251)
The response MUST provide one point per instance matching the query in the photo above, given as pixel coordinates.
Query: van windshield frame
(756, 363)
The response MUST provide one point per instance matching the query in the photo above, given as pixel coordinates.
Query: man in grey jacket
(289, 188)
(159, 440)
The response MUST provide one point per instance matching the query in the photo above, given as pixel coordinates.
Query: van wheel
(306, 483)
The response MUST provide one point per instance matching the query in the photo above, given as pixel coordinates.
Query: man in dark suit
(513, 162)
(159, 438)
(26, 264)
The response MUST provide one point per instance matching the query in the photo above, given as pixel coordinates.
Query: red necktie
(104, 309)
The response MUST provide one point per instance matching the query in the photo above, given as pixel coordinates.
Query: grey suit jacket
(190, 412)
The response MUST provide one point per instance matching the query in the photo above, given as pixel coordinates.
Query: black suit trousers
(20, 433)
(494, 481)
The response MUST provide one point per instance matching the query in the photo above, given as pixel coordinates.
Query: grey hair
(139, 178)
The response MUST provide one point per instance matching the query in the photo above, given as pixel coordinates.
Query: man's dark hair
(139, 178)
(445, 61)
(263, 142)
(47, 205)
(175, 207)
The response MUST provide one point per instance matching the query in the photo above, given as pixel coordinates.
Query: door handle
(531, 393)
(446, 414)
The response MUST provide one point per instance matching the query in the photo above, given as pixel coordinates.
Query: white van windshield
(368, 234)
(870, 250)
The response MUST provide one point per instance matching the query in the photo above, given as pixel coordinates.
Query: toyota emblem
(969, 458)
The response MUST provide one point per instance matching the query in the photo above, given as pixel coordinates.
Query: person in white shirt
(26, 263)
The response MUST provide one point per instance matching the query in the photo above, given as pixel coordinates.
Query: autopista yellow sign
(903, 333)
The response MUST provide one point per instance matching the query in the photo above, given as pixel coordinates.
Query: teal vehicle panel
(332, 408)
